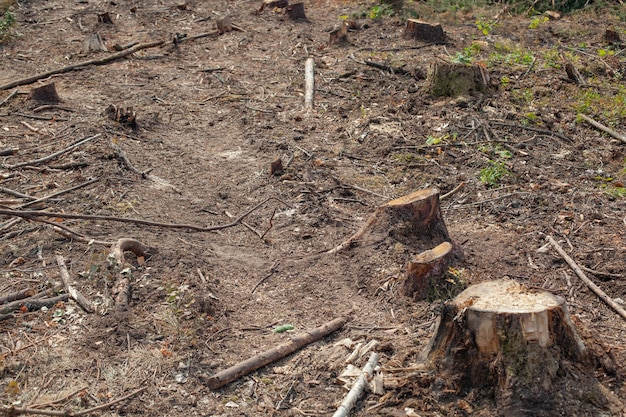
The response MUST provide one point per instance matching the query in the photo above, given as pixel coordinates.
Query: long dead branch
(81, 65)
(357, 389)
(54, 155)
(16, 411)
(603, 128)
(592, 286)
(252, 364)
(532, 129)
(33, 215)
(58, 193)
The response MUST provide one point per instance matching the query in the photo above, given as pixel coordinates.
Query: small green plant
(466, 56)
(486, 26)
(6, 23)
(534, 24)
(602, 53)
(504, 81)
(493, 173)
(380, 11)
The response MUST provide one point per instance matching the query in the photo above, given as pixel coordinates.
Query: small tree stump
(45, 94)
(296, 11)
(224, 25)
(426, 271)
(414, 220)
(424, 31)
(453, 80)
(279, 4)
(501, 341)
(93, 43)
(339, 36)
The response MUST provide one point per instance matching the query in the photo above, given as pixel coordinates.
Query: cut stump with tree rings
(499, 341)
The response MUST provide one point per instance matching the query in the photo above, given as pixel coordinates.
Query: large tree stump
(414, 220)
(423, 31)
(499, 341)
(453, 80)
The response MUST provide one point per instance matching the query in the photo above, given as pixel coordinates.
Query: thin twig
(58, 193)
(54, 155)
(33, 215)
(532, 129)
(9, 97)
(271, 224)
(262, 280)
(603, 128)
(454, 191)
(592, 286)
(81, 65)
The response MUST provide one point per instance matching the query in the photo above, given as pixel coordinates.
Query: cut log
(424, 31)
(296, 11)
(426, 272)
(414, 221)
(45, 94)
(503, 343)
(453, 80)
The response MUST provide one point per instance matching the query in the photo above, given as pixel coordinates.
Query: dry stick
(309, 83)
(15, 411)
(592, 286)
(454, 191)
(76, 295)
(54, 155)
(9, 97)
(249, 365)
(269, 274)
(532, 129)
(28, 292)
(17, 193)
(58, 193)
(32, 303)
(73, 235)
(32, 215)
(81, 65)
(603, 128)
(357, 389)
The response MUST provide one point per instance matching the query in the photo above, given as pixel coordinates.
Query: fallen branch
(13, 411)
(121, 291)
(357, 389)
(592, 286)
(9, 97)
(33, 214)
(81, 65)
(603, 128)
(58, 193)
(309, 83)
(54, 155)
(249, 365)
(76, 295)
(532, 129)
(33, 303)
(18, 295)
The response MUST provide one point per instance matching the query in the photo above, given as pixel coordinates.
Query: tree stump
(423, 31)
(296, 11)
(453, 80)
(414, 220)
(499, 341)
(45, 94)
(425, 273)
(339, 36)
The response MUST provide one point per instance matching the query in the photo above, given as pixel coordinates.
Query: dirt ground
(212, 114)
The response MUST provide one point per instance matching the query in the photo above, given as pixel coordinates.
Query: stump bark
(426, 271)
(501, 341)
(453, 80)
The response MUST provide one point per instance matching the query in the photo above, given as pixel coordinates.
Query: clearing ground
(212, 114)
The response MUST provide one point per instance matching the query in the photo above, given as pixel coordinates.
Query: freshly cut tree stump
(45, 94)
(424, 31)
(296, 11)
(453, 80)
(499, 341)
(427, 270)
(414, 220)
(339, 36)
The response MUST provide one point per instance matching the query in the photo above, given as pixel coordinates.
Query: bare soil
(212, 114)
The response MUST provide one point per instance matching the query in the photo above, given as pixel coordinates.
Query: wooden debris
(296, 11)
(452, 80)
(76, 295)
(9, 97)
(249, 365)
(224, 25)
(81, 65)
(427, 270)
(276, 167)
(573, 74)
(122, 288)
(124, 116)
(93, 43)
(45, 94)
(424, 31)
(357, 389)
(54, 155)
(589, 283)
(309, 83)
(105, 18)
(514, 345)
(271, 4)
(339, 36)
(603, 128)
